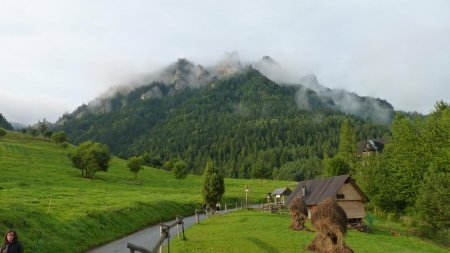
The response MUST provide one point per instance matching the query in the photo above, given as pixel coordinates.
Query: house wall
(353, 209)
(349, 192)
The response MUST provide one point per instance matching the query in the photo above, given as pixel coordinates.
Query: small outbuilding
(281, 194)
(343, 189)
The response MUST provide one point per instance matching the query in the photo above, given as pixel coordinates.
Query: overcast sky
(57, 55)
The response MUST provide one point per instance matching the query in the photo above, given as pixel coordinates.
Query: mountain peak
(268, 59)
(228, 65)
(184, 73)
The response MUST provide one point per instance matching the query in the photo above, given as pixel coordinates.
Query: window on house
(340, 196)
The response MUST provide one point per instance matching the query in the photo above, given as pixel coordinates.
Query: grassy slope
(55, 210)
(253, 231)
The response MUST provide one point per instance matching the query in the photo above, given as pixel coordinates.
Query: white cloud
(72, 51)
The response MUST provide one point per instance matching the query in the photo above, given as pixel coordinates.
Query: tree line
(412, 174)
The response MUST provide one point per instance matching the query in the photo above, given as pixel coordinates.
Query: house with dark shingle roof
(343, 189)
(371, 146)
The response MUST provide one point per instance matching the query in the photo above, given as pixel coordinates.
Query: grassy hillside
(55, 210)
(253, 231)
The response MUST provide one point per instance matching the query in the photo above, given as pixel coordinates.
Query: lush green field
(253, 231)
(54, 209)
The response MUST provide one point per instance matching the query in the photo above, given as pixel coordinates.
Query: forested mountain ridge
(233, 114)
(4, 123)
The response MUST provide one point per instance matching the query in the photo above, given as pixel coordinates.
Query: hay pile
(330, 222)
(299, 214)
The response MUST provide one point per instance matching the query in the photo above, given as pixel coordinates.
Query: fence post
(236, 206)
(50, 204)
(225, 206)
(197, 219)
(178, 230)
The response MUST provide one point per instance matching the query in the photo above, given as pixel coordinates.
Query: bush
(2, 132)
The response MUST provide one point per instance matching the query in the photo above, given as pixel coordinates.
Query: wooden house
(343, 189)
(370, 147)
(281, 194)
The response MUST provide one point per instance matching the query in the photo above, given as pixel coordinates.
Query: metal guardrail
(164, 235)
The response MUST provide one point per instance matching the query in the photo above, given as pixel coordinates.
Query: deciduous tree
(2, 132)
(135, 164)
(179, 170)
(59, 137)
(433, 199)
(91, 157)
(337, 166)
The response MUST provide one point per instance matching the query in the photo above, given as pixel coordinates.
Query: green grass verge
(253, 231)
(55, 210)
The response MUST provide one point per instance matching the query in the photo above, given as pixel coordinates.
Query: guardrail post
(164, 232)
(168, 238)
(161, 234)
(182, 227)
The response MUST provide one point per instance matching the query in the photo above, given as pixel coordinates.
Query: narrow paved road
(146, 238)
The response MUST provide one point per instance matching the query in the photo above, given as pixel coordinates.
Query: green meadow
(254, 231)
(54, 209)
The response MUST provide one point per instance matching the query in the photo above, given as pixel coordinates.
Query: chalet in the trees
(343, 189)
(371, 146)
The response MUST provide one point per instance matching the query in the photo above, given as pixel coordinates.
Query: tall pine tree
(347, 146)
(213, 185)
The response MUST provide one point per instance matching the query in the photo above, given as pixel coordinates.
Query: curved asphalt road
(146, 238)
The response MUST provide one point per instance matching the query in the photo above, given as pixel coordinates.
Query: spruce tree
(213, 185)
(347, 144)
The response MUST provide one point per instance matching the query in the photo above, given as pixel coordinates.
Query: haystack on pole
(330, 222)
(299, 214)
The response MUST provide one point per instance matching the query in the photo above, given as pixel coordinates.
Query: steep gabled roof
(281, 191)
(319, 189)
(371, 145)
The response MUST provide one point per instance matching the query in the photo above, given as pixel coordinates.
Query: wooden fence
(274, 208)
(165, 229)
(197, 213)
(164, 235)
